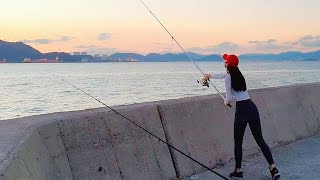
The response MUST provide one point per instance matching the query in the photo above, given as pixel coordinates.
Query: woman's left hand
(207, 76)
(226, 103)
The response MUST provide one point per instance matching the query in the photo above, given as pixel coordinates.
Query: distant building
(77, 53)
(84, 53)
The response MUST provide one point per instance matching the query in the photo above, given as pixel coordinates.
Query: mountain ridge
(14, 52)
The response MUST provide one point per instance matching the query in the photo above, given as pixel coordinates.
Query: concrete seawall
(100, 144)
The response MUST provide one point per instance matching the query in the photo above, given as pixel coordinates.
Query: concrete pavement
(299, 160)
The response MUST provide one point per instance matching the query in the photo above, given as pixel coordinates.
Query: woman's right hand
(207, 76)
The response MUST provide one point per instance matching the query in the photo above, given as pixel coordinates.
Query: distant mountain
(213, 57)
(126, 56)
(154, 57)
(285, 56)
(65, 57)
(257, 57)
(311, 56)
(195, 55)
(168, 57)
(17, 51)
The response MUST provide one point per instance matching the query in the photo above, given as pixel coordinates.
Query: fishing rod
(203, 82)
(144, 129)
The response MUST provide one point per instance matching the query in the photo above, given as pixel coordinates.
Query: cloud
(104, 36)
(163, 48)
(306, 38)
(47, 41)
(264, 46)
(263, 42)
(304, 43)
(161, 44)
(81, 47)
(272, 41)
(254, 42)
(309, 41)
(92, 49)
(225, 46)
(169, 50)
(270, 44)
(65, 38)
(222, 47)
(38, 41)
(291, 43)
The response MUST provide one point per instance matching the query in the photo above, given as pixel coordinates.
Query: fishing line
(147, 131)
(184, 51)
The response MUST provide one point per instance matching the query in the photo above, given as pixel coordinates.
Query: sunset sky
(202, 26)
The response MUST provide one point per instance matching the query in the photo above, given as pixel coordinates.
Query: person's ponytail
(238, 83)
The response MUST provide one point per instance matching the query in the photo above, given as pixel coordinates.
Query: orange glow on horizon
(200, 25)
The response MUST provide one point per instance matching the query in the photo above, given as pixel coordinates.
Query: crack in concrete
(24, 162)
(154, 152)
(165, 130)
(115, 155)
(64, 145)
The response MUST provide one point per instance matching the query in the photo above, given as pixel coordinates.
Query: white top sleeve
(221, 75)
(230, 93)
(227, 83)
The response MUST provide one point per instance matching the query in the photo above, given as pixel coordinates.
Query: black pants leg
(255, 127)
(247, 112)
(240, 125)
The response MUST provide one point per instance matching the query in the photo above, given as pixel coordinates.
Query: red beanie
(231, 60)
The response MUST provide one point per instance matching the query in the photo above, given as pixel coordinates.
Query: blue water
(28, 89)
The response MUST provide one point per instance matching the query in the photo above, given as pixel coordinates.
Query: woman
(246, 113)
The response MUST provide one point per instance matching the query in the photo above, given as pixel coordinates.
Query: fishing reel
(204, 82)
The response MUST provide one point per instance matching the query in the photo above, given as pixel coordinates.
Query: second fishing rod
(206, 83)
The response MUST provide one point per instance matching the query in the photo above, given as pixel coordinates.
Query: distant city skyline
(205, 27)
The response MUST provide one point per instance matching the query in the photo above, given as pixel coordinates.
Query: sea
(33, 89)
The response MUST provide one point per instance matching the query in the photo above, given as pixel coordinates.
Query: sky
(201, 26)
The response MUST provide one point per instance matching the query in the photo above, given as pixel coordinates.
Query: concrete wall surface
(101, 144)
(203, 128)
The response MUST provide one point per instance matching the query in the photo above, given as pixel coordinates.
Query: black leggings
(247, 112)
